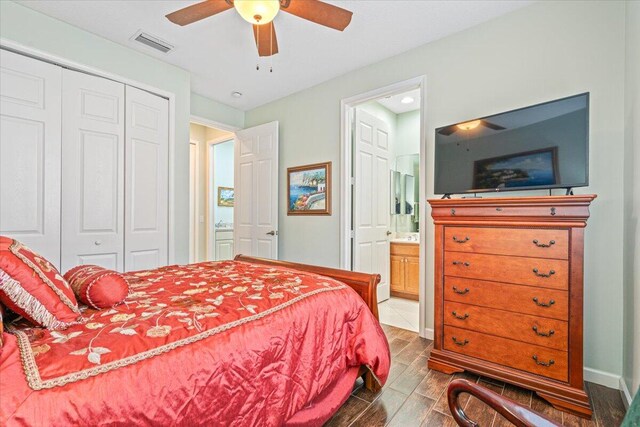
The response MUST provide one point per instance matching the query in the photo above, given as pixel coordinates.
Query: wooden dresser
(405, 270)
(509, 292)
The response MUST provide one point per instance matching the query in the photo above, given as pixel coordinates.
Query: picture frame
(225, 197)
(309, 189)
(523, 169)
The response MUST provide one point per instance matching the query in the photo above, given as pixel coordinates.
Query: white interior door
(30, 135)
(146, 180)
(92, 171)
(256, 191)
(371, 199)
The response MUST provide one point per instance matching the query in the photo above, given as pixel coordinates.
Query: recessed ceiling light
(236, 94)
(407, 100)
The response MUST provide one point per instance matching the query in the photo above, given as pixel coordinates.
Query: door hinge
(353, 181)
(352, 234)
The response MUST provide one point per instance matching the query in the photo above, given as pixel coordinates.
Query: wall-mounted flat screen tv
(537, 147)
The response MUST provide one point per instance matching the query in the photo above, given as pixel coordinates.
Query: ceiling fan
(260, 13)
(469, 126)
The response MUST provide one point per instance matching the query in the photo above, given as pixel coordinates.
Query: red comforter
(226, 343)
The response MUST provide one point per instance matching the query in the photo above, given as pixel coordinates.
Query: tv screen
(542, 146)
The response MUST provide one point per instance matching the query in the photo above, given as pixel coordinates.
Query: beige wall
(632, 201)
(542, 52)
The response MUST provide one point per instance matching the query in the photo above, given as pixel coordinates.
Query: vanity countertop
(405, 241)
(223, 229)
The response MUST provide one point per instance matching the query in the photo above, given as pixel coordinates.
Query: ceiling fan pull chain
(271, 48)
(258, 44)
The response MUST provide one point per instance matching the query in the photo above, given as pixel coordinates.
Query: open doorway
(211, 192)
(384, 154)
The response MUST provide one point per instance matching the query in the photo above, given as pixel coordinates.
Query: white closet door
(146, 180)
(92, 171)
(30, 153)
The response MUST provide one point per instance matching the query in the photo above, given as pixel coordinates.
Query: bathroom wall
(223, 177)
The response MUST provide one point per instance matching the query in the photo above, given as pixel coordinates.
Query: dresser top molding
(571, 211)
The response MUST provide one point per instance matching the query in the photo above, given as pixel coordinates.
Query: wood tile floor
(416, 396)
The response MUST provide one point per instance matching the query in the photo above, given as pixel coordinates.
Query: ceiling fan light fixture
(257, 12)
(469, 125)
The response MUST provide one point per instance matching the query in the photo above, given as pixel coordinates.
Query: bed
(242, 342)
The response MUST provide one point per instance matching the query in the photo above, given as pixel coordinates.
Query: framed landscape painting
(225, 197)
(309, 189)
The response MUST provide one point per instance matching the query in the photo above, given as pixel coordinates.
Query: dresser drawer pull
(541, 363)
(465, 240)
(466, 264)
(458, 291)
(460, 343)
(544, 245)
(457, 316)
(543, 304)
(543, 334)
(551, 273)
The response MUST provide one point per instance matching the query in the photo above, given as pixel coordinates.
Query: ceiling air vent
(152, 42)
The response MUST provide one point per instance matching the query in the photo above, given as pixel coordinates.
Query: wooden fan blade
(492, 125)
(266, 41)
(198, 11)
(321, 13)
(448, 130)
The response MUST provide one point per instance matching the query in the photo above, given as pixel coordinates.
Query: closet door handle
(97, 242)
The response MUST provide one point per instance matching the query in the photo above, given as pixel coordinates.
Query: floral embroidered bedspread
(228, 342)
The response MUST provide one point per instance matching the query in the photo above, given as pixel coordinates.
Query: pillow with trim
(33, 288)
(97, 286)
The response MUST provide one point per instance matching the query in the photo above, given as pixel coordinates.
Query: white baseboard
(428, 333)
(606, 379)
(624, 392)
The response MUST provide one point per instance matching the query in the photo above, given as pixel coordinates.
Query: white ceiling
(221, 55)
(394, 102)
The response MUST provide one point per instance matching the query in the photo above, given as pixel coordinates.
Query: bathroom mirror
(396, 192)
(408, 206)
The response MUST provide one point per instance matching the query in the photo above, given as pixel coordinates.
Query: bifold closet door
(146, 180)
(30, 153)
(92, 171)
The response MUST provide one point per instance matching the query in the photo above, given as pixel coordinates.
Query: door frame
(194, 241)
(347, 116)
(40, 55)
(208, 200)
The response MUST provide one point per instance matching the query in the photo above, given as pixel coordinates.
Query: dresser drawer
(549, 273)
(522, 299)
(530, 242)
(526, 357)
(541, 331)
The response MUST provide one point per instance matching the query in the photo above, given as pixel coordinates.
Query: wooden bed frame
(365, 285)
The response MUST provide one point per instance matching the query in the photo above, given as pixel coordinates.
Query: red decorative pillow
(96, 286)
(33, 288)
